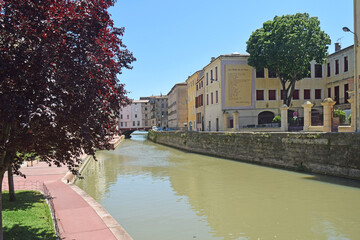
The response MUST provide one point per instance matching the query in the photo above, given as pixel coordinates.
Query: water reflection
(157, 192)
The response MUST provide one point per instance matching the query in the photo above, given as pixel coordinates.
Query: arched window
(265, 117)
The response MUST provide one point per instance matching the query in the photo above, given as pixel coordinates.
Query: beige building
(177, 108)
(191, 83)
(232, 95)
(339, 76)
(357, 61)
(213, 120)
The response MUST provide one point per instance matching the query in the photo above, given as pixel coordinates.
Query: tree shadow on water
(335, 180)
(19, 232)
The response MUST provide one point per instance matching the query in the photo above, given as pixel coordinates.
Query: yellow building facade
(191, 100)
(235, 96)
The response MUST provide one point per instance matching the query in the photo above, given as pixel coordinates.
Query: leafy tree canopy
(287, 45)
(59, 92)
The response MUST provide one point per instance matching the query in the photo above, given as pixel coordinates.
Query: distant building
(158, 115)
(135, 115)
(191, 84)
(177, 108)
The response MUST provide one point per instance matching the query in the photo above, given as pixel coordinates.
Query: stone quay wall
(336, 154)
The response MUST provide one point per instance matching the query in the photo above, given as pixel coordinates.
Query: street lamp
(356, 79)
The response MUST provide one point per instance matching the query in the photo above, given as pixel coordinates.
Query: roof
(228, 55)
(177, 84)
(341, 50)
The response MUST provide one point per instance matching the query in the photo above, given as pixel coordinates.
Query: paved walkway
(79, 216)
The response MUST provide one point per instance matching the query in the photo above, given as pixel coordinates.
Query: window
(309, 68)
(272, 73)
(127, 116)
(259, 95)
(145, 109)
(346, 94)
(207, 99)
(317, 93)
(207, 79)
(121, 124)
(145, 115)
(328, 70)
(336, 67)
(318, 70)
(306, 93)
(212, 98)
(216, 73)
(260, 73)
(272, 94)
(296, 95)
(133, 123)
(329, 92)
(121, 116)
(336, 94)
(135, 115)
(211, 75)
(125, 124)
(138, 123)
(217, 96)
(197, 87)
(346, 64)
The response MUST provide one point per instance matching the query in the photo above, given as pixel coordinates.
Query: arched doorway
(265, 117)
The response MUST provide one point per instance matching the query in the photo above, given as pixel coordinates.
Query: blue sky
(173, 39)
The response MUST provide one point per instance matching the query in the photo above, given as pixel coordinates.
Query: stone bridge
(128, 131)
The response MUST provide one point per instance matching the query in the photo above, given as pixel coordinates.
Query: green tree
(60, 95)
(287, 45)
(341, 115)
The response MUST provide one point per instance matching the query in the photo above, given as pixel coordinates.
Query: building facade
(134, 115)
(158, 110)
(233, 95)
(191, 84)
(177, 108)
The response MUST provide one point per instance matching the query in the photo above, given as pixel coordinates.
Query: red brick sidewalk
(79, 216)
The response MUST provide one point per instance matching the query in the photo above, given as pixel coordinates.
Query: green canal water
(160, 193)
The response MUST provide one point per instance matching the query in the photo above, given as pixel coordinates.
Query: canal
(160, 193)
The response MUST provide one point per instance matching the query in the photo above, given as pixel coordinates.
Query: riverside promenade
(79, 216)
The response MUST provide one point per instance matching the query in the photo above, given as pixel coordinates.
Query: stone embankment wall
(336, 154)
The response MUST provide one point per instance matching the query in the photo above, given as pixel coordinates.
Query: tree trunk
(12, 197)
(1, 225)
(289, 96)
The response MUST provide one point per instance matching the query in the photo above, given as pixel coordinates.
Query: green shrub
(277, 119)
(341, 114)
(349, 118)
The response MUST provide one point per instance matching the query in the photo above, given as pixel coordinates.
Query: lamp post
(356, 81)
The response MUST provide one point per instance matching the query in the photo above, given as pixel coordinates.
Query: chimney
(212, 59)
(337, 47)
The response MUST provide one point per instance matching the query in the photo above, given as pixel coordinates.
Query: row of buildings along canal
(229, 94)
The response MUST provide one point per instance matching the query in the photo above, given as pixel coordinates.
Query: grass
(27, 218)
